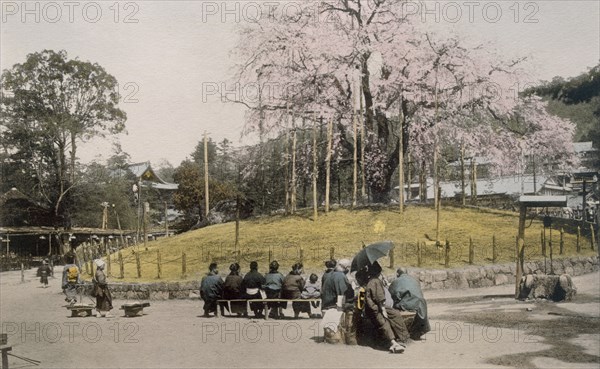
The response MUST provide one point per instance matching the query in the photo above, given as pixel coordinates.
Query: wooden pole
(408, 175)
(392, 258)
(438, 207)
(401, 159)
(592, 236)
(166, 221)
(287, 159)
(107, 263)
(237, 223)
(551, 252)
(447, 254)
(315, 169)
(419, 254)
(562, 242)
(520, 245)
(332, 253)
(494, 251)
(463, 195)
(361, 121)
(293, 184)
(328, 163)
(206, 193)
(354, 154)
(578, 246)
(543, 240)
(183, 265)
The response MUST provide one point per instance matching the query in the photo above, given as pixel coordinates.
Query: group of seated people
(254, 285)
(366, 294)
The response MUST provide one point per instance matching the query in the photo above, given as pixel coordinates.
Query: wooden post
(166, 221)
(578, 238)
(471, 251)
(543, 240)
(592, 236)
(158, 263)
(354, 154)
(551, 253)
(494, 251)
(287, 160)
(473, 182)
(121, 266)
(361, 122)
(419, 254)
(22, 274)
(463, 196)
(392, 258)
(108, 263)
(270, 255)
(138, 265)
(447, 254)
(183, 265)
(332, 253)
(237, 223)
(562, 242)
(301, 255)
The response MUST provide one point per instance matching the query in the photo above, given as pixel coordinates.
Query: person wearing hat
(337, 287)
(211, 289)
(103, 295)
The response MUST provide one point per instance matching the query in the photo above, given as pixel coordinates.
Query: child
(43, 272)
(312, 290)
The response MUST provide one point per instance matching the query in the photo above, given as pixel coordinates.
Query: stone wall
(467, 277)
(494, 275)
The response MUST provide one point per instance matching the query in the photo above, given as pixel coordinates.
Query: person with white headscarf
(101, 291)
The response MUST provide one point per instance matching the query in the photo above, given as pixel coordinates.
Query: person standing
(103, 296)
(211, 289)
(70, 279)
(43, 272)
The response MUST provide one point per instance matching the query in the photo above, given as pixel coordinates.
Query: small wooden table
(134, 309)
(79, 310)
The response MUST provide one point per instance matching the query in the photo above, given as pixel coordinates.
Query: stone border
(460, 278)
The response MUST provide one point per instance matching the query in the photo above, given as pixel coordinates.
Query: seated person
(312, 290)
(232, 290)
(407, 295)
(293, 284)
(251, 286)
(388, 322)
(273, 283)
(211, 289)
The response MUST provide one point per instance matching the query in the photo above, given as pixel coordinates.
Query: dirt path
(470, 329)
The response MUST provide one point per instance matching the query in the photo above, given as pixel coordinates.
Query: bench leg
(218, 312)
(266, 311)
(5, 358)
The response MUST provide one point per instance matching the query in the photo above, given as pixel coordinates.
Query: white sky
(163, 60)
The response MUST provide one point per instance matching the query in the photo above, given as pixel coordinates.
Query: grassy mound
(342, 233)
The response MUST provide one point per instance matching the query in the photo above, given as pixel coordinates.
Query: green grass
(345, 231)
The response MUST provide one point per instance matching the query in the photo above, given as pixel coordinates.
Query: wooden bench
(134, 309)
(78, 309)
(264, 301)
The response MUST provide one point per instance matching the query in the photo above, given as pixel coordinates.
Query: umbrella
(369, 254)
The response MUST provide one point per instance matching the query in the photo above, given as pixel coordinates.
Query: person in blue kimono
(408, 296)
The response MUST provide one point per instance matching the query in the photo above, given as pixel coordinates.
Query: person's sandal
(397, 348)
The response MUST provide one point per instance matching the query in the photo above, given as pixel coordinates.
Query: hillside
(288, 238)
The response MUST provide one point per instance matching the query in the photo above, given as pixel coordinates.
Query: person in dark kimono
(388, 322)
(252, 284)
(293, 285)
(211, 289)
(103, 296)
(43, 272)
(329, 268)
(232, 290)
(273, 283)
(408, 296)
(337, 288)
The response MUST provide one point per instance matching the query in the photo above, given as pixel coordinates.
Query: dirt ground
(475, 328)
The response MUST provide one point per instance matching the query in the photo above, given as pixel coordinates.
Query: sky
(169, 56)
